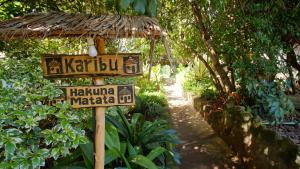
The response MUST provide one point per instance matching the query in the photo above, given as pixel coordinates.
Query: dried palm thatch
(58, 24)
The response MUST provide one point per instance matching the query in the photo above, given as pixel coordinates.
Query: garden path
(200, 147)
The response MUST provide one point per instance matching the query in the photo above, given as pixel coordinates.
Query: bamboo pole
(169, 55)
(100, 118)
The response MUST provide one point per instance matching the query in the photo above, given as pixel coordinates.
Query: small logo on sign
(54, 65)
(131, 65)
(125, 94)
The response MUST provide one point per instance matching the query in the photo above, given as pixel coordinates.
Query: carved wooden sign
(128, 64)
(97, 96)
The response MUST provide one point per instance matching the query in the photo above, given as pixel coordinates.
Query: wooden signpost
(126, 64)
(99, 96)
(100, 118)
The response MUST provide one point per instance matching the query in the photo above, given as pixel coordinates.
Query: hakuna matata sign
(128, 64)
(97, 96)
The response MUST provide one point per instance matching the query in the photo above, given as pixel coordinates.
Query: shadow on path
(200, 147)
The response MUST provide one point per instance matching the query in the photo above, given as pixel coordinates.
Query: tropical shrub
(161, 72)
(150, 104)
(32, 134)
(138, 143)
(81, 158)
(144, 85)
(158, 74)
(269, 100)
(120, 80)
(196, 79)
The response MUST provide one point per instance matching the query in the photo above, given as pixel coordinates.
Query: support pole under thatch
(168, 51)
(151, 53)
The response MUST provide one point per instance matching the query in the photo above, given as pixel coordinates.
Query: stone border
(256, 146)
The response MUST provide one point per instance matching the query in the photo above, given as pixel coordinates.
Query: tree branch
(216, 80)
(204, 35)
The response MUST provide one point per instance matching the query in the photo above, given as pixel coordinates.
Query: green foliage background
(30, 131)
(251, 39)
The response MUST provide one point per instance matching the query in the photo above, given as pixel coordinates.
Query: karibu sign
(98, 96)
(128, 64)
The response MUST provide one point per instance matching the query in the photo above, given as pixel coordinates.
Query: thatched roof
(58, 24)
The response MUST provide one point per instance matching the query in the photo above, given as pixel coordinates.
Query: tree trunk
(211, 51)
(230, 68)
(293, 85)
(291, 58)
(216, 80)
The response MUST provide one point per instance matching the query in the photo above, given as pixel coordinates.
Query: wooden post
(168, 51)
(100, 118)
(151, 53)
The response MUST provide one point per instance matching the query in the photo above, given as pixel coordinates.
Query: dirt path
(200, 147)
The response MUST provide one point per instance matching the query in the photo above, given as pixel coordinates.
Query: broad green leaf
(110, 155)
(156, 152)
(123, 148)
(109, 4)
(55, 153)
(88, 154)
(131, 150)
(122, 157)
(135, 118)
(143, 162)
(36, 161)
(140, 6)
(112, 137)
(69, 159)
(125, 123)
(10, 147)
(120, 126)
(124, 4)
(13, 131)
(152, 7)
(70, 167)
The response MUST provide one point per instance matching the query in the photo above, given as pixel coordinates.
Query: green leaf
(125, 123)
(152, 7)
(88, 154)
(124, 4)
(66, 161)
(13, 131)
(120, 126)
(110, 155)
(156, 152)
(140, 6)
(109, 4)
(123, 148)
(36, 162)
(10, 147)
(143, 162)
(112, 137)
(70, 167)
(135, 118)
(122, 157)
(55, 153)
(131, 150)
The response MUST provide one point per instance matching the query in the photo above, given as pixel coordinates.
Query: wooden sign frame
(97, 96)
(66, 66)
